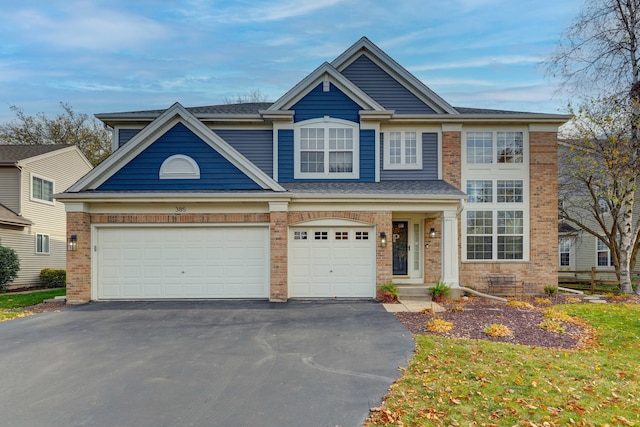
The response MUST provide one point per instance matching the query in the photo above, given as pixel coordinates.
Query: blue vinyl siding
(255, 145)
(216, 173)
(367, 155)
(429, 169)
(317, 104)
(386, 90)
(367, 158)
(124, 135)
(285, 155)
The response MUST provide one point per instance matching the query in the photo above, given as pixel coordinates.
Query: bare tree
(599, 56)
(598, 176)
(253, 96)
(69, 127)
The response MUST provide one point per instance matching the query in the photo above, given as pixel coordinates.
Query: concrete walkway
(413, 306)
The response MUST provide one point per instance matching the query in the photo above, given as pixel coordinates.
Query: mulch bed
(479, 312)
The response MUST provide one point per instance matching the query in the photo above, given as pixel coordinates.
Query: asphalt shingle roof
(10, 154)
(425, 188)
(7, 216)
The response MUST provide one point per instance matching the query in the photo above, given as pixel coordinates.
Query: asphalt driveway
(209, 363)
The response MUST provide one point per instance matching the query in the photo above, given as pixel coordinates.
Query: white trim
(543, 128)
(327, 123)
(42, 178)
(167, 172)
(325, 72)
(143, 139)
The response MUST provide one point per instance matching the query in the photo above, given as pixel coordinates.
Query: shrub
(520, 304)
(552, 325)
(550, 290)
(9, 266)
(439, 326)
(52, 278)
(497, 330)
(387, 293)
(542, 301)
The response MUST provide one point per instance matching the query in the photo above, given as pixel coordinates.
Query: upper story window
(326, 148)
(495, 147)
(402, 150)
(41, 189)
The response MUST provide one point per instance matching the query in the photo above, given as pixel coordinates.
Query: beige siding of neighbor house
(64, 168)
(10, 188)
(584, 251)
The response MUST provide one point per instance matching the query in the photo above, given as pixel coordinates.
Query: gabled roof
(326, 72)
(9, 217)
(12, 154)
(388, 64)
(175, 114)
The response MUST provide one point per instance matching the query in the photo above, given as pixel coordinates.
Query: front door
(400, 248)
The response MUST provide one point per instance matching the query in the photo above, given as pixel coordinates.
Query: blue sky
(123, 55)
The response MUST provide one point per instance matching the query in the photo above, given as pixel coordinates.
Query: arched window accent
(179, 166)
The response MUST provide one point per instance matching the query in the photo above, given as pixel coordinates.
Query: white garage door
(182, 262)
(329, 262)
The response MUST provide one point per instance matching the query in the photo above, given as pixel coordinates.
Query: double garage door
(231, 262)
(182, 262)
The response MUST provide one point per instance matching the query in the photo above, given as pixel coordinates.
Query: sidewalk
(413, 306)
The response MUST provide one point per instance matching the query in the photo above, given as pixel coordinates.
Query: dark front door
(400, 247)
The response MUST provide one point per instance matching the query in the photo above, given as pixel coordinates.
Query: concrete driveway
(209, 363)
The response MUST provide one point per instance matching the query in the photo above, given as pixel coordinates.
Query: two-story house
(359, 175)
(32, 222)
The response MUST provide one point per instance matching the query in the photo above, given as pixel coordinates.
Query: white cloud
(255, 11)
(82, 25)
(480, 63)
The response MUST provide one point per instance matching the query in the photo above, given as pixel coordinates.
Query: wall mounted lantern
(383, 239)
(432, 233)
(72, 243)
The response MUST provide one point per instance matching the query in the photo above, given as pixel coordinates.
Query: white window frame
(496, 135)
(32, 197)
(497, 172)
(565, 246)
(327, 123)
(606, 250)
(41, 237)
(403, 165)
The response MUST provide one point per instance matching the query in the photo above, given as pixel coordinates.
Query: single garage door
(329, 262)
(182, 262)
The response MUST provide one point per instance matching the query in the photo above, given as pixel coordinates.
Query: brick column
(543, 234)
(278, 229)
(451, 152)
(79, 261)
(384, 256)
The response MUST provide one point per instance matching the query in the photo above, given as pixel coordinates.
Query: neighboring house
(359, 175)
(32, 222)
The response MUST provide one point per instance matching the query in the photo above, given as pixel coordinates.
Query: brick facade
(79, 223)
(542, 268)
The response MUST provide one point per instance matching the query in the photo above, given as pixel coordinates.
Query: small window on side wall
(179, 166)
(41, 189)
(42, 244)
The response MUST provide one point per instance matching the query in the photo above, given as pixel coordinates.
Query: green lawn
(10, 304)
(465, 382)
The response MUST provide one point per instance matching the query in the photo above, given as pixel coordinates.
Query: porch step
(414, 292)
